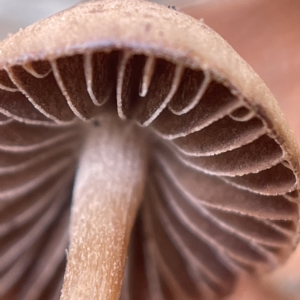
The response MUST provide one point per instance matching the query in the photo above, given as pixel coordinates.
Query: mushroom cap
(222, 191)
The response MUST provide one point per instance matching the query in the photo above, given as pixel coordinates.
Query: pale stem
(108, 189)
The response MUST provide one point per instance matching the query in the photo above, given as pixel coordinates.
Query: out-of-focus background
(266, 33)
(16, 14)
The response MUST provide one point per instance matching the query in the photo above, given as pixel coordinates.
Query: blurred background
(16, 14)
(266, 34)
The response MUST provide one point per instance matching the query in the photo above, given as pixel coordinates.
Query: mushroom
(269, 42)
(151, 128)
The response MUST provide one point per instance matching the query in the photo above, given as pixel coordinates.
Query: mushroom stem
(108, 189)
